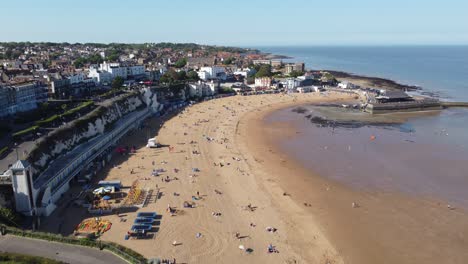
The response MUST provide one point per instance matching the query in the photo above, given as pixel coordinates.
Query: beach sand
(241, 181)
(313, 216)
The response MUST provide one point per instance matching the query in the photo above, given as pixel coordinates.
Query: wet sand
(386, 227)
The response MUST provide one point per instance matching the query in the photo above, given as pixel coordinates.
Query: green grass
(25, 131)
(3, 150)
(47, 121)
(25, 259)
(78, 108)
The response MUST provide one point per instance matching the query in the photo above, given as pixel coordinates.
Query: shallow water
(424, 156)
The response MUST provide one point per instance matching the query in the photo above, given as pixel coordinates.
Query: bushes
(119, 249)
(8, 216)
(124, 252)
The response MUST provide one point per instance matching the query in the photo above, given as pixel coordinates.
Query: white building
(346, 85)
(264, 82)
(21, 97)
(108, 71)
(245, 72)
(201, 89)
(210, 72)
(203, 75)
(99, 76)
(135, 70)
(292, 83)
(76, 78)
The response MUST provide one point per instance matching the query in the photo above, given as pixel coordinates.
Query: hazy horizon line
(251, 45)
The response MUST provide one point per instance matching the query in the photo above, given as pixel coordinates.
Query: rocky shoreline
(375, 81)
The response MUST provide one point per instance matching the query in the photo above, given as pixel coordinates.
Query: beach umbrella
(107, 197)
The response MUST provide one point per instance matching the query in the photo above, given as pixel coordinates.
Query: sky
(239, 22)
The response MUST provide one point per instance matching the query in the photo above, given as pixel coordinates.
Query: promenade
(58, 251)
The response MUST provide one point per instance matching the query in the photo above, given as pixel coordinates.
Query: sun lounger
(147, 214)
(143, 220)
(141, 227)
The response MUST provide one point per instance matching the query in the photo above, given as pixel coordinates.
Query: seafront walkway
(58, 251)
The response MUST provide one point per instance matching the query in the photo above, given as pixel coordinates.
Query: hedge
(3, 150)
(78, 108)
(124, 252)
(48, 120)
(25, 131)
(67, 113)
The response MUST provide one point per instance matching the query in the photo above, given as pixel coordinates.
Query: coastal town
(135, 144)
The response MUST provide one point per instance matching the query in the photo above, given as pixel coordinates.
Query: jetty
(399, 101)
(416, 105)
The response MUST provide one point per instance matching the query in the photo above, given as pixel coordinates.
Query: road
(61, 252)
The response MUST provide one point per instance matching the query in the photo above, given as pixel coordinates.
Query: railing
(121, 251)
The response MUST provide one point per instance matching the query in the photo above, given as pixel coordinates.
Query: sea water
(442, 70)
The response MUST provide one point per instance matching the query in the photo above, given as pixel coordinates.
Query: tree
(9, 54)
(180, 63)
(193, 75)
(264, 71)
(80, 62)
(228, 61)
(294, 74)
(169, 77)
(117, 82)
(8, 216)
(95, 59)
(112, 57)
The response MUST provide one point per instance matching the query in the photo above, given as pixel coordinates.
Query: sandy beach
(223, 152)
(237, 188)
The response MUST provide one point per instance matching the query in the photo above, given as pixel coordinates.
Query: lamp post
(16, 148)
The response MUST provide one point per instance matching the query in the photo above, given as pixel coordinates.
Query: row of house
(203, 89)
(21, 97)
(106, 72)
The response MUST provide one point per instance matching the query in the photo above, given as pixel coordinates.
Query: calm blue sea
(439, 69)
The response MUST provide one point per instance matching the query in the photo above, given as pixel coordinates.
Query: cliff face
(95, 123)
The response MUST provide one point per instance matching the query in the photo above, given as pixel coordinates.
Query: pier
(417, 105)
